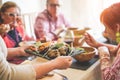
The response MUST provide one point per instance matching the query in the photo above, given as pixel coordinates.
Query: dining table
(92, 73)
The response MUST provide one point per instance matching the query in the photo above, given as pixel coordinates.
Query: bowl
(79, 37)
(78, 41)
(79, 32)
(86, 55)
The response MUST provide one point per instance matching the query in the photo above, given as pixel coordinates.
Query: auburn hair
(111, 16)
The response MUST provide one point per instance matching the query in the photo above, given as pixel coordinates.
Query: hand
(19, 20)
(13, 25)
(117, 50)
(55, 36)
(59, 30)
(62, 62)
(4, 29)
(91, 41)
(22, 51)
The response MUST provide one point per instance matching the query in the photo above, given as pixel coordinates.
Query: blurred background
(82, 13)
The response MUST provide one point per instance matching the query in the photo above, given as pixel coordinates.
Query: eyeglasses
(12, 14)
(54, 5)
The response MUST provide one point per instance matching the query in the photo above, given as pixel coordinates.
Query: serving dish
(58, 49)
(83, 54)
(49, 50)
(38, 49)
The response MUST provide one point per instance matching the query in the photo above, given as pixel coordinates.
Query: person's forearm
(13, 52)
(112, 48)
(42, 69)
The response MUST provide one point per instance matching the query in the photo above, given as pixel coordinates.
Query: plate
(58, 49)
(38, 49)
(37, 53)
(50, 51)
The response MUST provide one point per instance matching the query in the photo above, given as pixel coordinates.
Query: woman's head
(9, 12)
(110, 17)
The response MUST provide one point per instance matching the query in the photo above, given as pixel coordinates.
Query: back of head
(111, 16)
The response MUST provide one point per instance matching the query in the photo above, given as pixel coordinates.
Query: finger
(118, 45)
(69, 58)
(90, 37)
(87, 37)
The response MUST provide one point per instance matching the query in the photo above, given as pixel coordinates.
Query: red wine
(68, 41)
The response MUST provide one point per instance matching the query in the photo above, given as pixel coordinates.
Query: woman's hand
(17, 22)
(62, 62)
(4, 28)
(91, 41)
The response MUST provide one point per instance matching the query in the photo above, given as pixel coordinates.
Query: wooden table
(92, 73)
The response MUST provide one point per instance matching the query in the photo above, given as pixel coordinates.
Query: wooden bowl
(78, 41)
(87, 55)
(79, 32)
(79, 37)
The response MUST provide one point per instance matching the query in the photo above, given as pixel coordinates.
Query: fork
(64, 77)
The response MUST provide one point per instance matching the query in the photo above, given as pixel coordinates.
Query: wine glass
(69, 37)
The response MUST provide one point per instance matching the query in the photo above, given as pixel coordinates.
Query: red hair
(111, 16)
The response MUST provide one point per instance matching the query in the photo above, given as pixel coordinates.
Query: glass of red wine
(69, 37)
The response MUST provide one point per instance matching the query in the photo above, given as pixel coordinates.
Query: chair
(28, 22)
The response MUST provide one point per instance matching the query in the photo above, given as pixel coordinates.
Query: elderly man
(50, 21)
